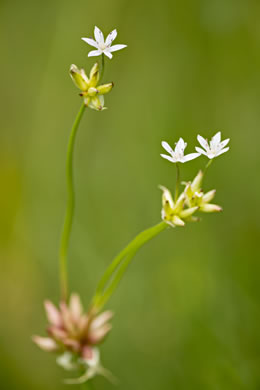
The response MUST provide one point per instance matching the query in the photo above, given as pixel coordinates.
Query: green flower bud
(79, 77)
(94, 75)
(208, 196)
(177, 221)
(105, 88)
(210, 208)
(196, 184)
(188, 212)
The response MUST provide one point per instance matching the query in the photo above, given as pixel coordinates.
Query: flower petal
(95, 336)
(76, 308)
(222, 151)
(99, 36)
(180, 146)
(203, 142)
(189, 157)
(117, 47)
(107, 53)
(53, 314)
(167, 147)
(201, 151)
(224, 143)
(90, 42)
(111, 37)
(215, 140)
(171, 159)
(46, 343)
(94, 53)
(101, 319)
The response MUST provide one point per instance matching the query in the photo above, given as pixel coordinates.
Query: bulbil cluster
(191, 200)
(74, 335)
(92, 93)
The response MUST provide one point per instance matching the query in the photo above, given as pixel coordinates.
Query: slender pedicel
(177, 187)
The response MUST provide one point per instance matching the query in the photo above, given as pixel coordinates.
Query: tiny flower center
(102, 46)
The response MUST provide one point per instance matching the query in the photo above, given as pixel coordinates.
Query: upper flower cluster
(92, 93)
(73, 335)
(215, 148)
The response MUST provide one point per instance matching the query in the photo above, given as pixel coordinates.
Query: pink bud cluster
(70, 329)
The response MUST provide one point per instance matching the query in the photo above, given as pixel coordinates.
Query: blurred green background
(187, 312)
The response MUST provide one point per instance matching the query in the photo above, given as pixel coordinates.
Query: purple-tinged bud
(53, 314)
(46, 343)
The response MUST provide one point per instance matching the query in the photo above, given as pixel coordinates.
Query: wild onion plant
(74, 335)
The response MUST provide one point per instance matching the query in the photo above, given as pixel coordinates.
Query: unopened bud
(105, 88)
(94, 75)
(210, 208)
(79, 77)
(208, 196)
(196, 184)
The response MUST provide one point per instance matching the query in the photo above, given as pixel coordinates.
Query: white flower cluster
(213, 149)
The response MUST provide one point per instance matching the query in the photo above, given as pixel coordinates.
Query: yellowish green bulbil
(92, 93)
(192, 199)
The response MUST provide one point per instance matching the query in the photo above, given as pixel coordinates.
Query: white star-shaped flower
(178, 154)
(102, 45)
(214, 148)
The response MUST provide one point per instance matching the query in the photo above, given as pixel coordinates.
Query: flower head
(102, 45)
(91, 92)
(73, 334)
(178, 154)
(215, 148)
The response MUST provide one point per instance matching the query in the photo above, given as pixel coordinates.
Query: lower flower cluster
(74, 336)
(191, 200)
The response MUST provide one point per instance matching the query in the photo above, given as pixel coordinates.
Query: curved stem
(66, 230)
(103, 291)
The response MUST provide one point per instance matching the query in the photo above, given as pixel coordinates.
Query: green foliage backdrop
(187, 312)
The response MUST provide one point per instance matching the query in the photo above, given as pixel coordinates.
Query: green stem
(103, 291)
(66, 230)
(102, 67)
(207, 166)
(177, 182)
